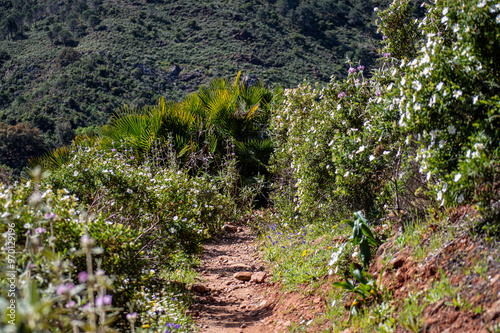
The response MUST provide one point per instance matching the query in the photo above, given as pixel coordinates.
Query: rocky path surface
(230, 295)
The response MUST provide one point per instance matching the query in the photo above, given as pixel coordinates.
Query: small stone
(198, 288)
(229, 228)
(317, 300)
(243, 325)
(240, 267)
(243, 276)
(258, 277)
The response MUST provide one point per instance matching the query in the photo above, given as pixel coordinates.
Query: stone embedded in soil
(198, 288)
(258, 277)
(398, 261)
(229, 228)
(240, 267)
(243, 276)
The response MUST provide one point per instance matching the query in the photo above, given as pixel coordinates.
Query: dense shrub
(73, 269)
(18, 143)
(336, 146)
(448, 100)
(173, 210)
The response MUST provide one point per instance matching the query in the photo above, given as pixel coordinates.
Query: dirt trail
(223, 303)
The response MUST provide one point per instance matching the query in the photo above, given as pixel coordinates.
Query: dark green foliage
(362, 236)
(68, 56)
(18, 143)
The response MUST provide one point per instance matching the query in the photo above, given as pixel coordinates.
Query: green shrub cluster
(336, 146)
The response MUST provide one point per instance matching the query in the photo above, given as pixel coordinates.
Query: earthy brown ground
(222, 303)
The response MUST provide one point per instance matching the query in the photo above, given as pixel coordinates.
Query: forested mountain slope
(66, 65)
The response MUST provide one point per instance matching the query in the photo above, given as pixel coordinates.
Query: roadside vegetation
(365, 186)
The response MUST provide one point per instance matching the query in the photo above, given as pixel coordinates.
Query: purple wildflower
(377, 93)
(70, 304)
(64, 288)
(131, 316)
(361, 67)
(82, 277)
(352, 70)
(40, 230)
(342, 94)
(103, 300)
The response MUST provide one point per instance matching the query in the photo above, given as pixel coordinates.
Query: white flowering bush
(448, 99)
(337, 147)
(175, 211)
(63, 279)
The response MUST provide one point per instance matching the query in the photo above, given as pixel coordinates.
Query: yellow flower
(329, 248)
(304, 253)
(145, 326)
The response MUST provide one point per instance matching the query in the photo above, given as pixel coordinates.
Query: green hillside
(69, 65)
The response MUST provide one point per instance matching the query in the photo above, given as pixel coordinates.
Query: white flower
(371, 158)
(432, 100)
(361, 149)
(176, 218)
(452, 129)
(475, 99)
(172, 230)
(497, 19)
(433, 134)
(460, 198)
(478, 146)
(441, 144)
(457, 93)
(457, 177)
(439, 196)
(445, 11)
(130, 191)
(346, 174)
(416, 107)
(416, 85)
(481, 4)
(468, 153)
(444, 19)
(456, 27)
(386, 152)
(439, 86)
(429, 174)
(445, 187)
(339, 106)
(75, 173)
